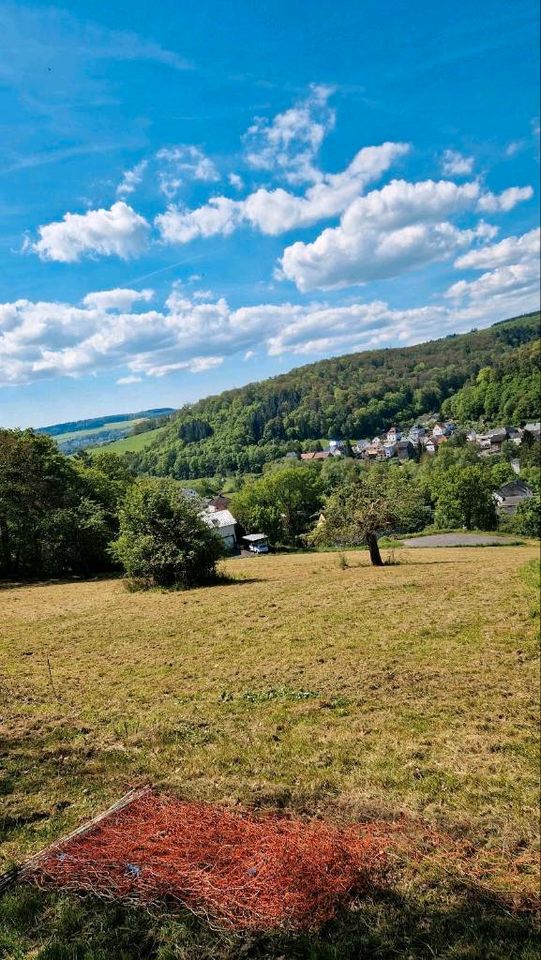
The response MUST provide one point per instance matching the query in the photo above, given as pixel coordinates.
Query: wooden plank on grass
(26, 868)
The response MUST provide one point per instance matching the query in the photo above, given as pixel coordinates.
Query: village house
(510, 495)
(224, 522)
(316, 455)
(534, 429)
(405, 450)
(389, 448)
(220, 502)
(338, 448)
(360, 446)
(416, 433)
(393, 434)
(442, 429)
(190, 494)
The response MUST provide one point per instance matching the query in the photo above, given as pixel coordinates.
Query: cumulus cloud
(511, 273)
(121, 298)
(236, 181)
(508, 251)
(385, 233)
(455, 164)
(119, 231)
(289, 143)
(519, 281)
(49, 339)
(504, 201)
(181, 163)
(131, 179)
(277, 211)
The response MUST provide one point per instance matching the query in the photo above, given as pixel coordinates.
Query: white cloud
(125, 381)
(385, 233)
(455, 164)
(119, 299)
(288, 145)
(236, 181)
(276, 211)
(46, 339)
(249, 355)
(119, 232)
(131, 179)
(519, 280)
(514, 147)
(219, 216)
(504, 201)
(511, 273)
(509, 251)
(181, 163)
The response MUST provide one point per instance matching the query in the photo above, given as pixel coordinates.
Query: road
(458, 540)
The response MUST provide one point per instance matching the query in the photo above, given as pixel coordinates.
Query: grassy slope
(412, 688)
(133, 444)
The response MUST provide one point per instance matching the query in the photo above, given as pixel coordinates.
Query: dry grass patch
(413, 688)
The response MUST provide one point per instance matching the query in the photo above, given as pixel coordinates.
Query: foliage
(507, 391)
(76, 426)
(527, 519)
(359, 512)
(464, 498)
(280, 504)
(163, 541)
(57, 516)
(346, 397)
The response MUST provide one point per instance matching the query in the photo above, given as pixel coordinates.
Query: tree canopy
(163, 541)
(361, 511)
(57, 516)
(348, 397)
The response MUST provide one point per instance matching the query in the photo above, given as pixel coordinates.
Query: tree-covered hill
(506, 393)
(346, 397)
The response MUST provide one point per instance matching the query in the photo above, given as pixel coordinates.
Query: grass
(133, 444)
(345, 692)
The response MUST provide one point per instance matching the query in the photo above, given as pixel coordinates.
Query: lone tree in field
(163, 541)
(362, 511)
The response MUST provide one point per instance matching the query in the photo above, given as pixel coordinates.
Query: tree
(527, 519)
(163, 541)
(281, 503)
(362, 511)
(464, 498)
(34, 479)
(57, 516)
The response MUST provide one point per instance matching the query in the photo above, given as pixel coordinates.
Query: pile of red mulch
(238, 869)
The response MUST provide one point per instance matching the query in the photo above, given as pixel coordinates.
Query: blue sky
(196, 196)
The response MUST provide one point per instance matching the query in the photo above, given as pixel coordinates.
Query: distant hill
(347, 397)
(79, 434)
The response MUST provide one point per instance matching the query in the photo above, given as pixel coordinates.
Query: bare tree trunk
(373, 546)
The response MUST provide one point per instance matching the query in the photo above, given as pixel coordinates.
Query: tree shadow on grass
(389, 925)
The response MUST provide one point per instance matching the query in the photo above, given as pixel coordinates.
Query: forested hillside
(507, 392)
(346, 397)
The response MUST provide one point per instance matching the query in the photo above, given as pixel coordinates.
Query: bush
(163, 541)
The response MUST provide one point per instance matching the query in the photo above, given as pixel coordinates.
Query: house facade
(224, 523)
(509, 496)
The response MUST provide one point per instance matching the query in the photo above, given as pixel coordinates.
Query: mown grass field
(133, 444)
(348, 693)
